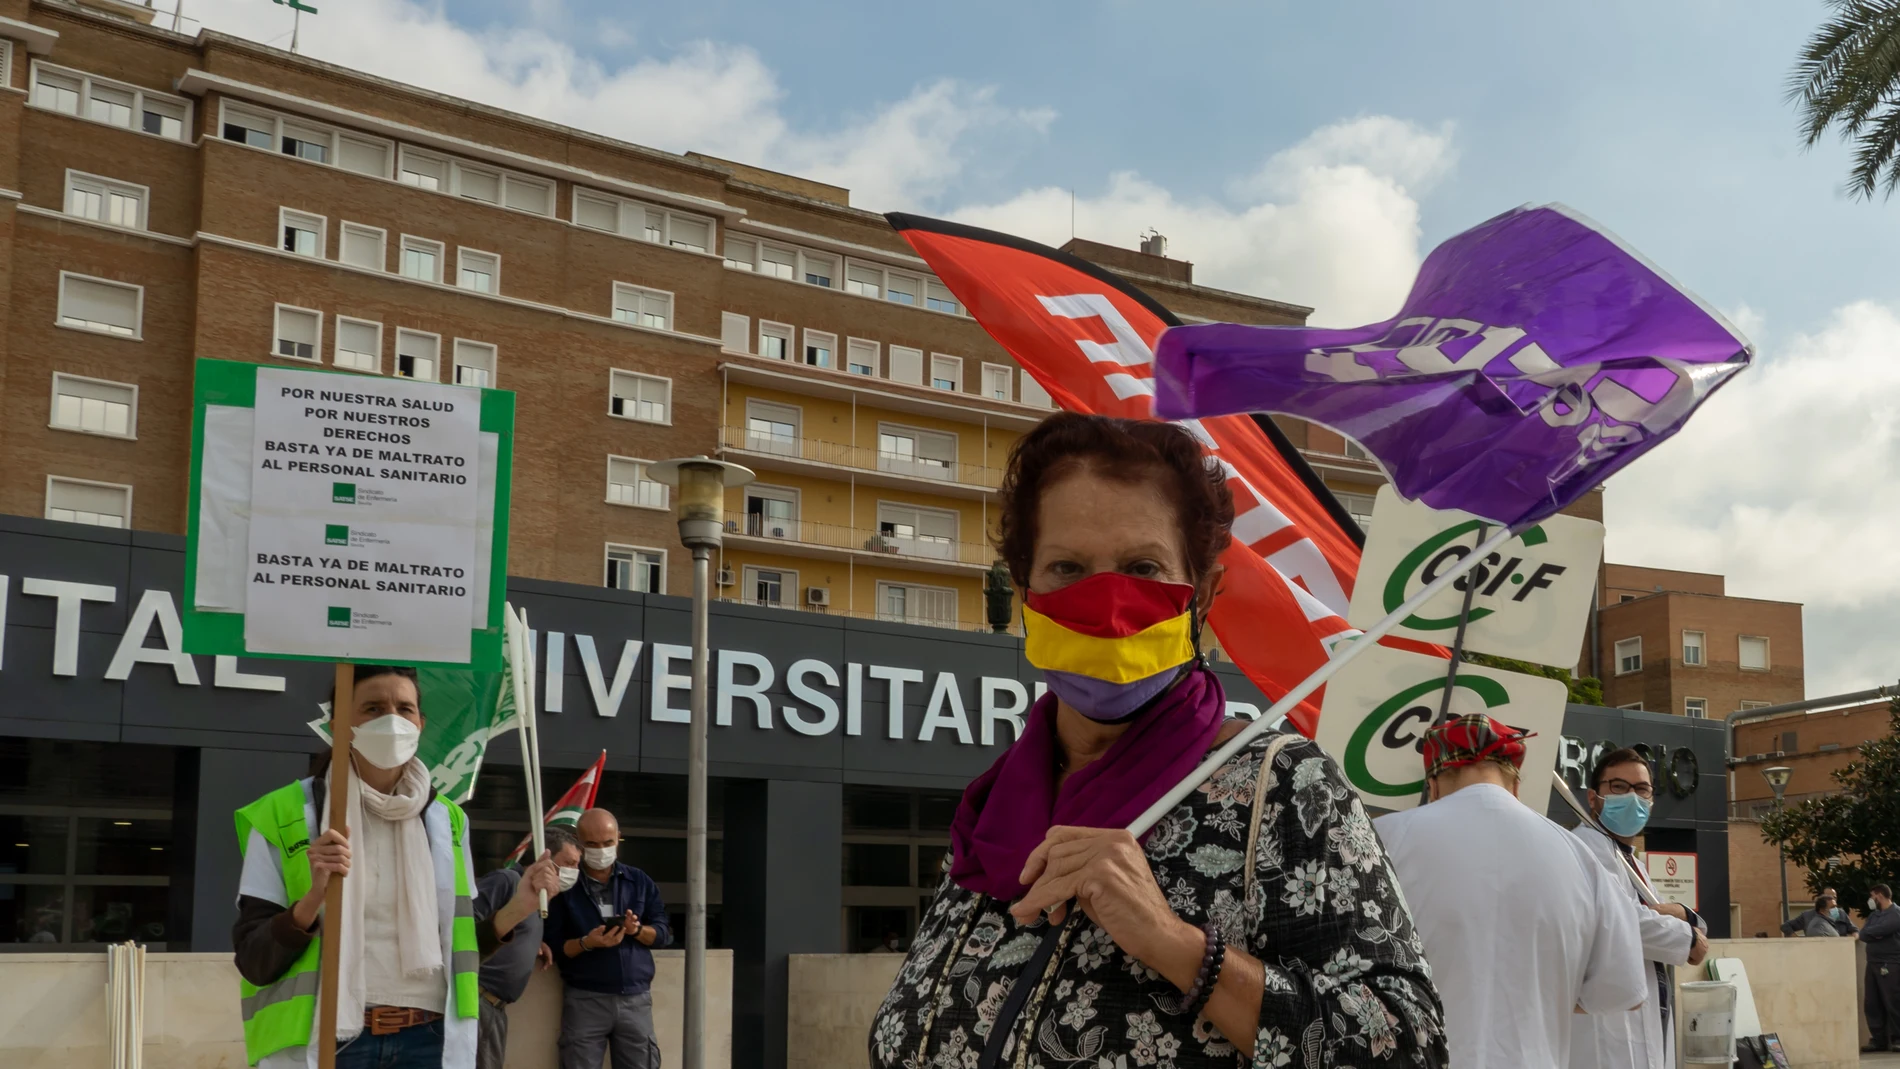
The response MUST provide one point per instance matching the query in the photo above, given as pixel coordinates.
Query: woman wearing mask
(411, 941)
(1258, 923)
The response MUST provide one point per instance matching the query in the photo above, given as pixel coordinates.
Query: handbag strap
(1262, 782)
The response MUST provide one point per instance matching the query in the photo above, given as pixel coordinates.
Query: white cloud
(719, 99)
(1784, 481)
(1332, 222)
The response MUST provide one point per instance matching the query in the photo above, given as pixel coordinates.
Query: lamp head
(1777, 776)
(701, 484)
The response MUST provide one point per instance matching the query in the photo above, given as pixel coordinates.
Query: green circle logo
(1357, 770)
(1431, 550)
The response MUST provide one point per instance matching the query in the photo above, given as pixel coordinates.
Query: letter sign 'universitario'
(346, 517)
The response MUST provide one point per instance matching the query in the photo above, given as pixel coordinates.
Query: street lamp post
(700, 491)
(1777, 777)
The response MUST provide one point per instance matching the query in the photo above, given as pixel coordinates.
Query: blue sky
(1312, 153)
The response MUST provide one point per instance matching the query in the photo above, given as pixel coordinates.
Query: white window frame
(630, 221)
(911, 278)
(103, 187)
(1701, 649)
(796, 422)
(917, 464)
(46, 505)
(639, 477)
(330, 137)
(345, 228)
(336, 343)
(951, 298)
(1689, 709)
(884, 584)
(851, 284)
(930, 378)
(607, 557)
(6, 62)
(785, 332)
(456, 363)
(462, 254)
(808, 259)
(395, 369)
(276, 333)
(750, 263)
(1009, 380)
(1633, 706)
(138, 307)
(923, 365)
(441, 256)
(446, 184)
(612, 373)
(1767, 659)
(788, 579)
(735, 327)
(132, 417)
(1744, 705)
(791, 251)
(826, 340)
(139, 95)
(641, 293)
(287, 216)
(951, 551)
(1030, 392)
(853, 346)
(788, 494)
(1618, 655)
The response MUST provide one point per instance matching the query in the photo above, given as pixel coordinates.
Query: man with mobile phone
(601, 932)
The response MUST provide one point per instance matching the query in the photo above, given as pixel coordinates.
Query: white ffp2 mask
(388, 741)
(601, 857)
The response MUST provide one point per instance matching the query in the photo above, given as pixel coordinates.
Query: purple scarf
(1006, 812)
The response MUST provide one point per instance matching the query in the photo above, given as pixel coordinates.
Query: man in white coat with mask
(1621, 791)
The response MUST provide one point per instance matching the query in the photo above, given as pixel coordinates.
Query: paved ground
(1880, 1061)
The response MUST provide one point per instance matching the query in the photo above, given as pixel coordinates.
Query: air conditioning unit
(725, 577)
(818, 595)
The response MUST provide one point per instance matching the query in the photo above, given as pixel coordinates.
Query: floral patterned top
(1346, 979)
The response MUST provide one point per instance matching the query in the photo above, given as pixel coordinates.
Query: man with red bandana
(1522, 927)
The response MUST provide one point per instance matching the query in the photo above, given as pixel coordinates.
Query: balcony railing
(862, 458)
(837, 536)
(860, 614)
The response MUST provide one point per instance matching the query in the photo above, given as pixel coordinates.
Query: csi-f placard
(1379, 707)
(1531, 598)
(346, 517)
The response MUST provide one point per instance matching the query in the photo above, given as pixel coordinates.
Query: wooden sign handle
(342, 719)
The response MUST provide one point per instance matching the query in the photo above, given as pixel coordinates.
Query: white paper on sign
(1378, 709)
(1533, 594)
(365, 509)
(224, 509)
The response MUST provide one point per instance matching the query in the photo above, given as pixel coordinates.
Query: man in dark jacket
(601, 932)
(1881, 933)
(1815, 922)
(505, 973)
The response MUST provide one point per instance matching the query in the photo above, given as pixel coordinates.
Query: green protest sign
(345, 517)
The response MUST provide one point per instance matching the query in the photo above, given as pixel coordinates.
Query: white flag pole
(531, 717)
(516, 638)
(1358, 645)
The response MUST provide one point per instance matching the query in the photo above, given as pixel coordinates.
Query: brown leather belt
(388, 1020)
(494, 1000)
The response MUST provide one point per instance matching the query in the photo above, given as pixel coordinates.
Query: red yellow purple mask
(1107, 645)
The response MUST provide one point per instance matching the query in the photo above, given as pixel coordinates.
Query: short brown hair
(1125, 450)
(1624, 756)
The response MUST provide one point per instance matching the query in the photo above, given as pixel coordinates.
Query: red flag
(1088, 337)
(567, 809)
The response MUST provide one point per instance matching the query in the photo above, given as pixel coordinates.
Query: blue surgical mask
(1625, 815)
(1835, 912)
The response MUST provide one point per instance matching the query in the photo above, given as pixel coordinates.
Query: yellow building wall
(853, 586)
(828, 420)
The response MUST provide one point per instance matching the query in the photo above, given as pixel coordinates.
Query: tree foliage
(1859, 826)
(1583, 691)
(1848, 77)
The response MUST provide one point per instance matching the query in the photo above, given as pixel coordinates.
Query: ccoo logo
(1497, 578)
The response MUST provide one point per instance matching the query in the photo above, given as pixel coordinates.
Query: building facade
(1675, 642)
(1812, 746)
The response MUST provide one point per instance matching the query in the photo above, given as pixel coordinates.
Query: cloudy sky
(1310, 153)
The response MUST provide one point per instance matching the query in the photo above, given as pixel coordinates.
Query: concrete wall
(53, 1012)
(1804, 992)
(828, 1018)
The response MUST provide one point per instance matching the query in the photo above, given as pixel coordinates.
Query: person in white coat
(1524, 931)
(1621, 790)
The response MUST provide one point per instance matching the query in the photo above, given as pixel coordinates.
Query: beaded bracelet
(1212, 958)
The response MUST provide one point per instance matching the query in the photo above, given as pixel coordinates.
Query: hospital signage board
(1532, 594)
(1673, 877)
(346, 517)
(1379, 707)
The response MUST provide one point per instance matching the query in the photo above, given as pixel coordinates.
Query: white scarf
(418, 937)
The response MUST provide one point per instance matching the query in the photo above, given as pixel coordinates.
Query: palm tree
(1849, 75)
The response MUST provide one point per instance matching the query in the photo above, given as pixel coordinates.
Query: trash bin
(1708, 1022)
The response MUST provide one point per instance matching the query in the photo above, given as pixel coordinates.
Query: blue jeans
(416, 1047)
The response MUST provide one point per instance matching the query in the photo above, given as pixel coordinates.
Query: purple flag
(1535, 356)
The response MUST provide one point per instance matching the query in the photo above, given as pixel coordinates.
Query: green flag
(465, 710)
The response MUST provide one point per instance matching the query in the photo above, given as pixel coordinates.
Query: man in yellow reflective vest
(407, 994)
